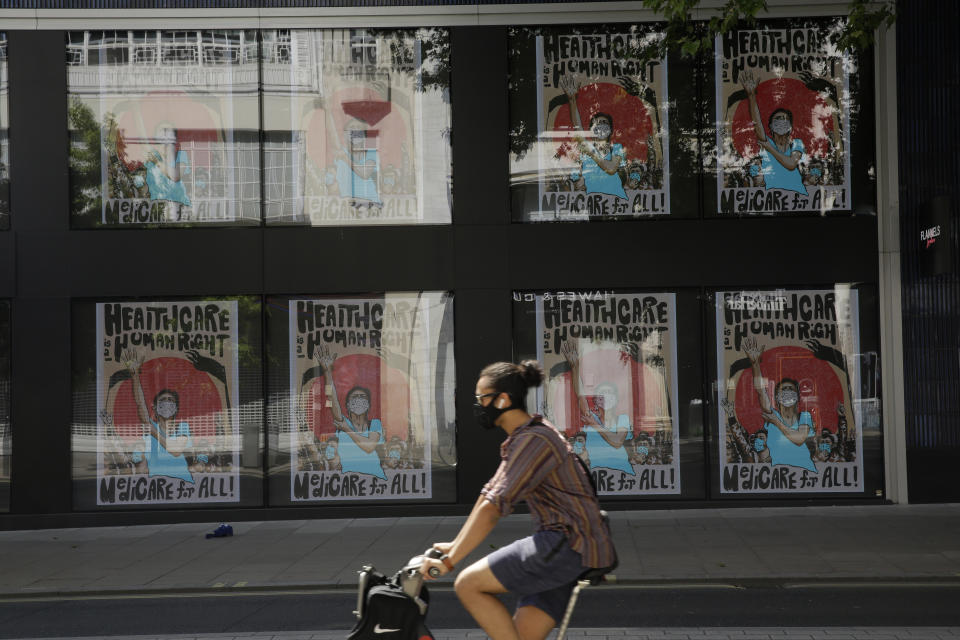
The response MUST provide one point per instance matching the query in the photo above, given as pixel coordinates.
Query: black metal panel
(928, 69)
(708, 252)
(357, 259)
(8, 272)
(39, 203)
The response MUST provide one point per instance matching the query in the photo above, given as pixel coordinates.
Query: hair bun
(531, 373)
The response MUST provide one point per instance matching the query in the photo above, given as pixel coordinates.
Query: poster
(611, 384)
(358, 126)
(783, 114)
(167, 388)
(602, 121)
(789, 391)
(165, 126)
(363, 410)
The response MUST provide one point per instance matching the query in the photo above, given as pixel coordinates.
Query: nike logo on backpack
(379, 629)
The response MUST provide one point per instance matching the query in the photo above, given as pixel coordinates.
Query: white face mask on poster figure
(781, 127)
(601, 130)
(166, 408)
(788, 397)
(609, 396)
(358, 405)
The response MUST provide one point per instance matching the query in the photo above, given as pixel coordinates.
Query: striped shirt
(538, 465)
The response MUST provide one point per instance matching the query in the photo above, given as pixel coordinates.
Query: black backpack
(386, 610)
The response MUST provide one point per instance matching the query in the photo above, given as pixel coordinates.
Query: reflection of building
(125, 62)
(350, 126)
(189, 94)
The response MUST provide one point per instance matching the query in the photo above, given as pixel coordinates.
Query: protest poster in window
(4, 136)
(164, 127)
(789, 391)
(369, 388)
(168, 427)
(357, 126)
(610, 364)
(6, 435)
(783, 120)
(588, 131)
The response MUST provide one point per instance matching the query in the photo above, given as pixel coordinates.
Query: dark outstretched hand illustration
(827, 354)
(207, 365)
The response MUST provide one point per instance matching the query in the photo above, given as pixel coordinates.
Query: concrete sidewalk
(892, 542)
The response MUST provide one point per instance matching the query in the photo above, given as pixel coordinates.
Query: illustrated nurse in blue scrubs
(601, 162)
(787, 427)
(780, 152)
(167, 437)
(357, 433)
(606, 433)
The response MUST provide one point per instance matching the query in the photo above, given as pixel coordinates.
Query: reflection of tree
(685, 126)
(248, 330)
(85, 187)
(691, 38)
(434, 54)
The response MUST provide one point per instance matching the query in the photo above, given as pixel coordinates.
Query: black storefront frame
(481, 257)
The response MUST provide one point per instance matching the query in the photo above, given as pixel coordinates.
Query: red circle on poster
(199, 398)
(812, 117)
(631, 121)
(644, 402)
(389, 395)
(820, 387)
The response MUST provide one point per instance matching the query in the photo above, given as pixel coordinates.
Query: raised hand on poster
(629, 351)
(325, 358)
(570, 84)
(633, 87)
(300, 417)
(752, 349)
(106, 419)
(828, 354)
(207, 365)
(728, 408)
(570, 353)
(821, 85)
(132, 361)
(749, 82)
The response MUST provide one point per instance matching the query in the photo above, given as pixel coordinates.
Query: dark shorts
(541, 569)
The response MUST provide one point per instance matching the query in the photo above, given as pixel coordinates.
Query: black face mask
(486, 416)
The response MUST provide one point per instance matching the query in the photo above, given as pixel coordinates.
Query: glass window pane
(4, 137)
(164, 128)
(797, 392)
(783, 110)
(168, 407)
(611, 383)
(357, 126)
(362, 398)
(588, 124)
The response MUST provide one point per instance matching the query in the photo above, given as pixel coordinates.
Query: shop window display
(167, 403)
(362, 398)
(164, 128)
(357, 126)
